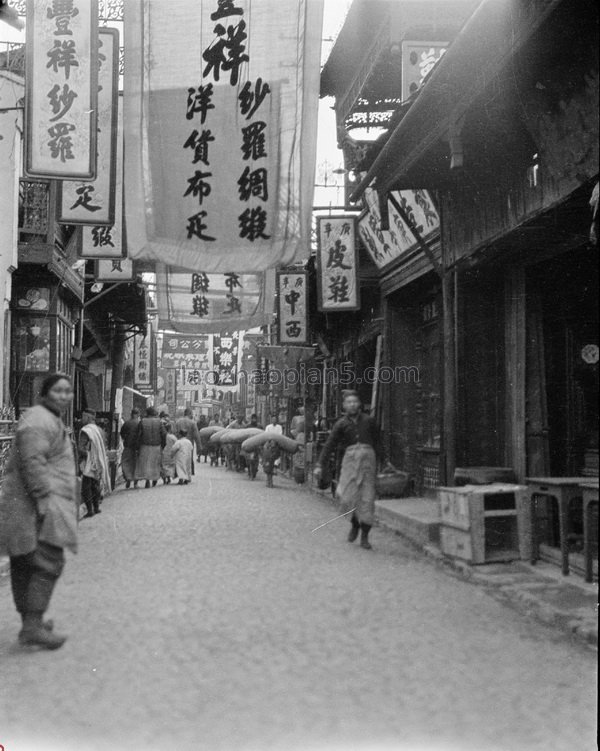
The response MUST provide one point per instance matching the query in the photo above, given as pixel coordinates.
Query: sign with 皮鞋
(337, 264)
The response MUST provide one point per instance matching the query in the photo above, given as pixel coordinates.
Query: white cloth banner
(192, 302)
(220, 127)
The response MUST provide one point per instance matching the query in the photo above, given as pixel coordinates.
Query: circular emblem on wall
(589, 354)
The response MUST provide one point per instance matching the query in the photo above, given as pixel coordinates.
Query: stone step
(417, 519)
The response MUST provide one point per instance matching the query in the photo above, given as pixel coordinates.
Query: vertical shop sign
(292, 291)
(337, 264)
(61, 91)
(102, 241)
(225, 359)
(94, 202)
(142, 361)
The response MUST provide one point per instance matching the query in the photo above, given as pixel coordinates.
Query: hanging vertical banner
(337, 264)
(61, 89)
(142, 369)
(221, 137)
(193, 301)
(102, 241)
(94, 202)
(225, 360)
(292, 292)
(114, 270)
(170, 386)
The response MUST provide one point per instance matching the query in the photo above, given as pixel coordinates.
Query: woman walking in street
(38, 509)
(129, 436)
(168, 460)
(151, 441)
(183, 451)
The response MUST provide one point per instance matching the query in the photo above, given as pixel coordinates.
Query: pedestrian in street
(152, 436)
(93, 463)
(274, 427)
(270, 456)
(358, 434)
(183, 451)
(168, 460)
(38, 509)
(129, 436)
(254, 423)
(188, 424)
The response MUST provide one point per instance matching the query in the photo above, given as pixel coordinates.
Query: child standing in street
(183, 451)
(168, 460)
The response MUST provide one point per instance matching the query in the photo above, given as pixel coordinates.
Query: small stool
(564, 489)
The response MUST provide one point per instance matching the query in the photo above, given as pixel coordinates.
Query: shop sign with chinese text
(102, 241)
(226, 350)
(94, 202)
(190, 352)
(192, 301)
(418, 60)
(142, 368)
(114, 270)
(386, 246)
(226, 111)
(61, 93)
(292, 291)
(337, 264)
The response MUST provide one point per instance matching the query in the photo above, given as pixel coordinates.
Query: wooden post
(515, 348)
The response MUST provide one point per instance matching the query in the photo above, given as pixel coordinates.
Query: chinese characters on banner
(192, 301)
(142, 352)
(418, 59)
(385, 246)
(189, 356)
(114, 270)
(227, 134)
(171, 386)
(102, 241)
(225, 359)
(61, 88)
(337, 264)
(94, 202)
(292, 290)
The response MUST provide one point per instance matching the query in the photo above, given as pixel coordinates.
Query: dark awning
(484, 47)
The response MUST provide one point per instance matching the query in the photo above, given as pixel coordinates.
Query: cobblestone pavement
(210, 617)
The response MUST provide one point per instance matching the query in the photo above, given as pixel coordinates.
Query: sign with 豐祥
(337, 264)
(114, 270)
(193, 301)
(418, 60)
(221, 131)
(102, 241)
(386, 246)
(142, 360)
(292, 296)
(61, 89)
(94, 202)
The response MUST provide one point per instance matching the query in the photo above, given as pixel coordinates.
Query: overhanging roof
(488, 41)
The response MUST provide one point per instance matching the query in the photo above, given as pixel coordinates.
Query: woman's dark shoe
(147, 485)
(364, 536)
(128, 484)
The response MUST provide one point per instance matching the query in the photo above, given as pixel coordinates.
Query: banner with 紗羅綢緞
(221, 131)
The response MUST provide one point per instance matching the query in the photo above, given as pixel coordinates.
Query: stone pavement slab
(210, 617)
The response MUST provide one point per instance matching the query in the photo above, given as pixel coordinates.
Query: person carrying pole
(359, 436)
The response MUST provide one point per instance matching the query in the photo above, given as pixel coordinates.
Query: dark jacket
(347, 432)
(151, 432)
(39, 498)
(129, 433)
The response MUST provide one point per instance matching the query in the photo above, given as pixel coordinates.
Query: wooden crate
(485, 523)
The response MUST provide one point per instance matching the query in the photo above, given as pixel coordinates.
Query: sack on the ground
(391, 482)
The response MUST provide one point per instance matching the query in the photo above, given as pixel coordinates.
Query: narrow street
(210, 617)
